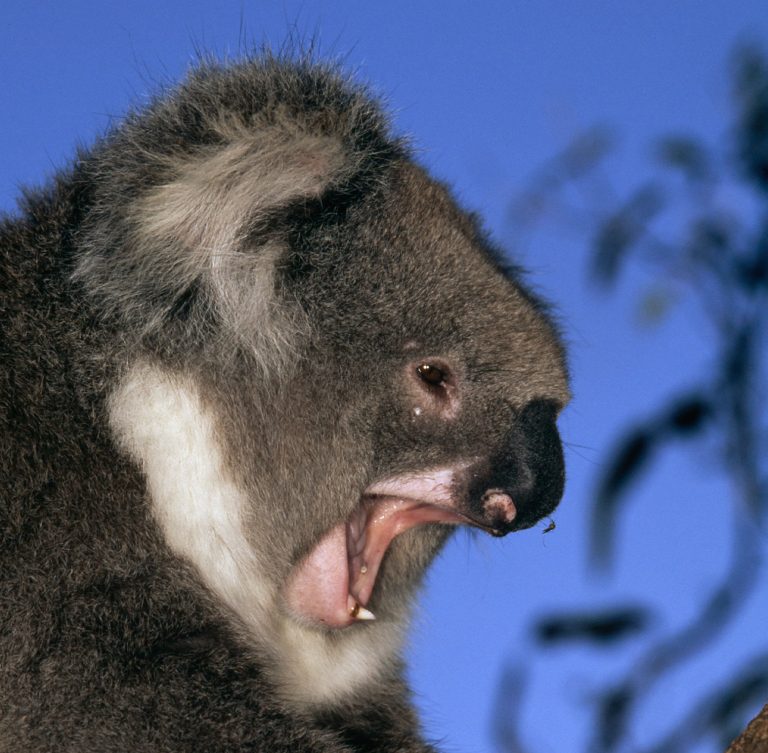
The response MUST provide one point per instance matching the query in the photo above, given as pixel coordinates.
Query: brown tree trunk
(754, 739)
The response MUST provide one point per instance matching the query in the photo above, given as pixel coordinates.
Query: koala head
(324, 366)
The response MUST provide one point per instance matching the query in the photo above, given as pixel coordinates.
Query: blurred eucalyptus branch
(716, 258)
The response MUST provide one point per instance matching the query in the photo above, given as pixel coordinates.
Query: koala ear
(203, 226)
(193, 234)
(215, 197)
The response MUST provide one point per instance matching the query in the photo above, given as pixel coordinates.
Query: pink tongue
(322, 590)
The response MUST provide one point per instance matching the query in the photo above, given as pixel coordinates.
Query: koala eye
(432, 389)
(430, 374)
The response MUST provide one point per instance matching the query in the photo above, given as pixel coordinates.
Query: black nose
(527, 471)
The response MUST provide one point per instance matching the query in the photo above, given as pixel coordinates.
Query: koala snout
(523, 481)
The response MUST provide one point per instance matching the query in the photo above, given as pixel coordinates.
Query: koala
(257, 366)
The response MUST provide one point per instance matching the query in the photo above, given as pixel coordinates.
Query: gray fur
(212, 328)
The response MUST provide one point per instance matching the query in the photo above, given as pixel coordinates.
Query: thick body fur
(255, 366)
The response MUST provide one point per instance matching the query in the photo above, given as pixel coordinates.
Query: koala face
(323, 366)
(451, 379)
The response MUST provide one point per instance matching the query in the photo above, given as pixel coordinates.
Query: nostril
(498, 506)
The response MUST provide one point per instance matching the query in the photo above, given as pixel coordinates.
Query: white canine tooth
(364, 614)
(359, 612)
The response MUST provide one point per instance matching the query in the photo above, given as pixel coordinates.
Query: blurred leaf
(654, 305)
(506, 724)
(688, 415)
(585, 152)
(622, 230)
(632, 455)
(732, 705)
(709, 241)
(752, 272)
(613, 719)
(687, 155)
(722, 713)
(753, 736)
(740, 358)
(607, 627)
(684, 417)
(752, 131)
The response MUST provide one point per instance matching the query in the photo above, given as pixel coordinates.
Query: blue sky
(489, 92)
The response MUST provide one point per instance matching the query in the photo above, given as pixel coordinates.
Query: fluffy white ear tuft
(202, 226)
(218, 195)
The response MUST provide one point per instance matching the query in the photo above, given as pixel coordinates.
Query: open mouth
(332, 586)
